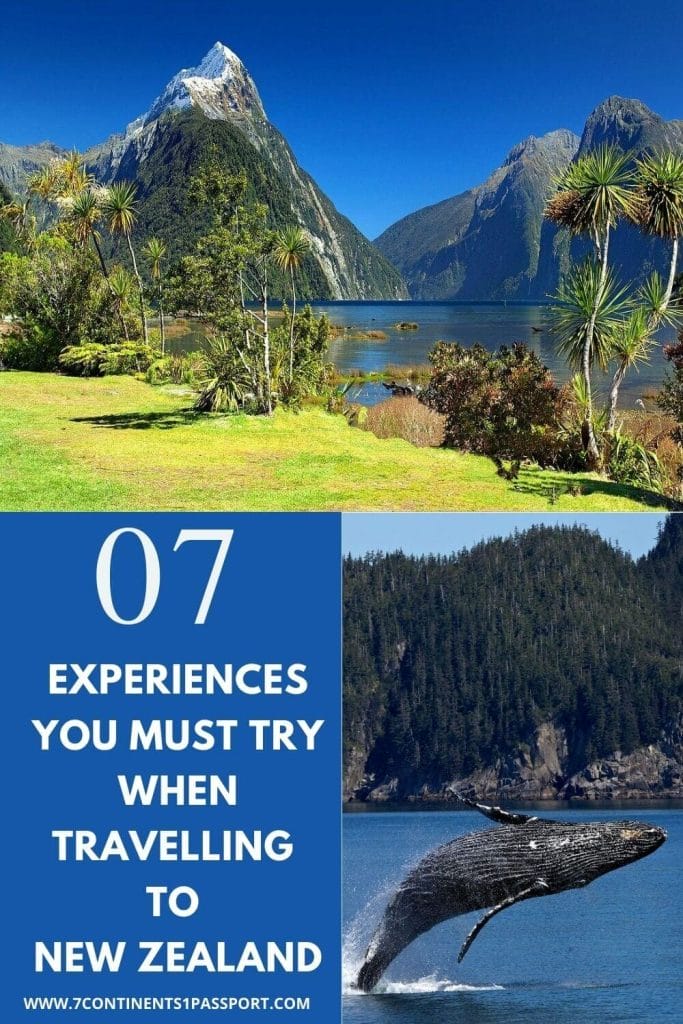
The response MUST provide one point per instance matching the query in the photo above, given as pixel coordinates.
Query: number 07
(153, 571)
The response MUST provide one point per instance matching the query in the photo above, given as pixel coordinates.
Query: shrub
(502, 404)
(226, 384)
(656, 432)
(356, 414)
(83, 360)
(176, 368)
(95, 360)
(29, 350)
(60, 298)
(630, 462)
(128, 357)
(670, 398)
(407, 418)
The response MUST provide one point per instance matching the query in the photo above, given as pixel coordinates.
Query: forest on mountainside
(452, 662)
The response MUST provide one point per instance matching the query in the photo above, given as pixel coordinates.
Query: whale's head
(606, 846)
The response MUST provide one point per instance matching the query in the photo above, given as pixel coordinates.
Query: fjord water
(490, 323)
(606, 953)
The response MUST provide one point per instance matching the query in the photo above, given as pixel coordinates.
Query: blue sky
(442, 533)
(390, 105)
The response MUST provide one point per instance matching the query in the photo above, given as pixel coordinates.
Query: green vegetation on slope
(453, 662)
(183, 145)
(135, 446)
(184, 142)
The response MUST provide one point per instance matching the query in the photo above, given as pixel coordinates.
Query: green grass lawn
(116, 443)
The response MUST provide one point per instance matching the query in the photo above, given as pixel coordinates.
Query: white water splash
(431, 984)
(356, 937)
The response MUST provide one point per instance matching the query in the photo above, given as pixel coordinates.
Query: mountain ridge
(523, 668)
(519, 255)
(341, 264)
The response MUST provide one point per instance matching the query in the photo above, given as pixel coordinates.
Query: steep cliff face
(485, 243)
(539, 771)
(492, 242)
(161, 150)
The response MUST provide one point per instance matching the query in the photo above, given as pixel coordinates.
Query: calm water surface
(491, 324)
(608, 953)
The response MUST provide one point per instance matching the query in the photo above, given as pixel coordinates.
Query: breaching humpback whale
(496, 868)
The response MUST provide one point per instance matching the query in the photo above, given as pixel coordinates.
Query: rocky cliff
(540, 771)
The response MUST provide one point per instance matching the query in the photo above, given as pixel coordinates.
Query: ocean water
(608, 953)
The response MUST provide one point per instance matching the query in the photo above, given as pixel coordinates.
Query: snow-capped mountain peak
(220, 86)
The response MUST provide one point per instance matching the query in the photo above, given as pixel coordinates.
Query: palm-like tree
(593, 194)
(631, 345)
(45, 182)
(660, 204)
(121, 287)
(291, 246)
(84, 212)
(154, 252)
(73, 174)
(634, 340)
(583, 301)
(588, 307)
(22, 220)
(658, 212)
(120, 209)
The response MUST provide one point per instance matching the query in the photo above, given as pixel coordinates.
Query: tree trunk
(654, 322)
(614, 396)
(589, 440)
(266, 342)
(124, 325)
(105, 274)
(162, 329)
(291, 329)
(103, 265)
(140, 290)
(588, 434)
(672, 273)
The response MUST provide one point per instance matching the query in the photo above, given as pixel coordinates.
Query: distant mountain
(485, 243)
(492, 243)
(548, 664)
(18, 162)
(216, 107)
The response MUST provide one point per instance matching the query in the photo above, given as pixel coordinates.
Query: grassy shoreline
(115, 443)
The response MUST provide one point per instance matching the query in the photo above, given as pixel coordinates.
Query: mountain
(215, 108)
(492, 242)
(485, 242)
(548, 664)
(18, 162)
(631, 125)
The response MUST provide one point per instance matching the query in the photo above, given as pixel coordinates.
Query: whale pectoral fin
(537, 889)
(496, 813)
